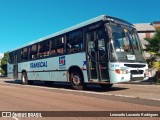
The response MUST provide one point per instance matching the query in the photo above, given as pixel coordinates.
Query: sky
(24, 21)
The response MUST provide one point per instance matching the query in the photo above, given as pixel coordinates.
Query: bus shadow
(97, 88)
(64, 85)
(13, 81)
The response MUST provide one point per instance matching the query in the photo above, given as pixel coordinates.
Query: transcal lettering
(38, 64)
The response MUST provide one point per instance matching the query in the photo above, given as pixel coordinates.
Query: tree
(154, 49)
(154, 42)
(4, 64)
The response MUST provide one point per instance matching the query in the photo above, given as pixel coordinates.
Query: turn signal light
(118, 71)
(121, 71)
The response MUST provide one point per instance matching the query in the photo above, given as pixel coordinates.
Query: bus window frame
(33, 54)
(24, 54)
(43, 48)
(69, 46)
(58, 49)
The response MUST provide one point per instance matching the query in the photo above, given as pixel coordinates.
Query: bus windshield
(125, 44)
(135, 41)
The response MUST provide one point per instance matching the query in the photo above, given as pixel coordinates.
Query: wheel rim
(23, 78)
(76, 80)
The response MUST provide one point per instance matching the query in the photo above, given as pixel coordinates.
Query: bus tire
(76, 80)
(106, 86)
(24, 78)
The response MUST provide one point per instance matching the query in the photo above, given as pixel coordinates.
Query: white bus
(103, 50)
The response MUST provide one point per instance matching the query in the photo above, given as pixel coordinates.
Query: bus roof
(85, 23)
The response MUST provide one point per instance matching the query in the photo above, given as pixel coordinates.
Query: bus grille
(135, 65)
(135, 72)
(137, 78)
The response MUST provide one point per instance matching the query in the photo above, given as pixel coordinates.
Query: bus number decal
(114, 65)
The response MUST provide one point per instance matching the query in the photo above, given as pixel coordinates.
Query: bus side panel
(23, 66)
(54, 68)
(59, 76)
(61, 64)
(79, 60)
(31, 76)
(19, 75)
(85, 76)
(43, 76)
(58, 71)
(10, 70)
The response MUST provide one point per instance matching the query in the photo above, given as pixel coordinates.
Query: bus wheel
(24, 78)
(76, 80)
(106, 86)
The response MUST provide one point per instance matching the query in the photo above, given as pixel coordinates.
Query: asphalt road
(60, 97)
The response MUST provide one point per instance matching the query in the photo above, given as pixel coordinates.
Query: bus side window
(74, 41)
(60, 45)
(53, 47)
(34, 51)
(24, 54)
(43, 48)
(57, 45)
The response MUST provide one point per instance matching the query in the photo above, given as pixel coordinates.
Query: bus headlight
(121, 71)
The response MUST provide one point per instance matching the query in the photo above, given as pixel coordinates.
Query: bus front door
(97, 56)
